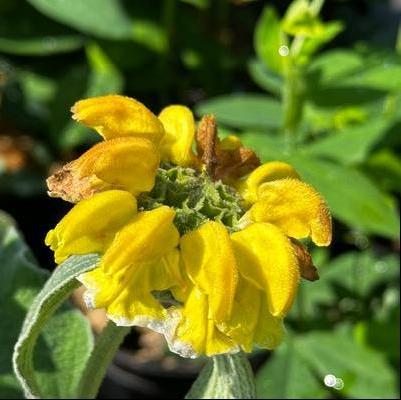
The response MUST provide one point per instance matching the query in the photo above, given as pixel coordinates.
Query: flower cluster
(198, 244)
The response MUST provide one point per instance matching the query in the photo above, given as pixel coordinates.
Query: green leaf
(350, 146)
(313, 297)
(334, 65)
(364, 371)
(42, 46)
(60, 353)
(298, 368)
(360, 272)
(72, 353)
(285, 376)
(246, 111)
(352, 197)
(226, 376)
(344, 77)
(150, 35)
(301, 20)
(344, 96)
(382, 333)
(24, 31)
(268, 38)
(103, 18)
(311, 45)
(202, 4)
(386, 76)
(385, 167)
(265, 78)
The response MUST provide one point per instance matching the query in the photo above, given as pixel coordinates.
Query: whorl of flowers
(198, 240)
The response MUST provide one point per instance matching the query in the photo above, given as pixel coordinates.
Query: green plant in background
(332, 113)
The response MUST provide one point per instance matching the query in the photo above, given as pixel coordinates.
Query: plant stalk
(106, 345)
(226, 376)
(293, 102)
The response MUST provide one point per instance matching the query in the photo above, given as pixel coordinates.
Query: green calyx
(194, 197)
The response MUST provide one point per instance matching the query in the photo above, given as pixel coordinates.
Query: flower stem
(105, 348)
(293, 102)
(227, 376)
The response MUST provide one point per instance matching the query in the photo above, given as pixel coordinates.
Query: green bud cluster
(194, 197)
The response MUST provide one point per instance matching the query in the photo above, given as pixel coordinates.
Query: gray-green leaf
(74, 352)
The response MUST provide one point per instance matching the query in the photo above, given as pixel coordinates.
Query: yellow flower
(142, 258)
(91, 225)
(277, 195)
(116, 116)
(200, 246)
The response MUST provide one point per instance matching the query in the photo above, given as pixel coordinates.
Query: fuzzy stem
(226, 376)
(105, 348)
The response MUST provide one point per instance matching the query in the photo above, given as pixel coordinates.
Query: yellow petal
(183, 285)
(124, 163)
(115, 116)
(267, 172)
(245, 315)
(252, 323)
(179, 125)
(266, 259)
(209, 260)
(128, 293)
(148, 237)
(135, 303)
(296, 208)
(196, 334)
(128, 163)
(128, 296)
(269, 330)
(90, 226)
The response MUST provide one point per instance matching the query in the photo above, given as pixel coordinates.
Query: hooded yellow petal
(269, 330)
(245, 315)
(115, 116)
(196, 333)
(252, 323)
(296, 208)
(128, 296)
(148, 237)
(124, 163)
(209, 260)
(266, 259)
(90, 226)
(179, 125)
(267, 172)
(141, 259)
(135, 304)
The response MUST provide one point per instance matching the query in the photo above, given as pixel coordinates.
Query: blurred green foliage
(315, 85)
